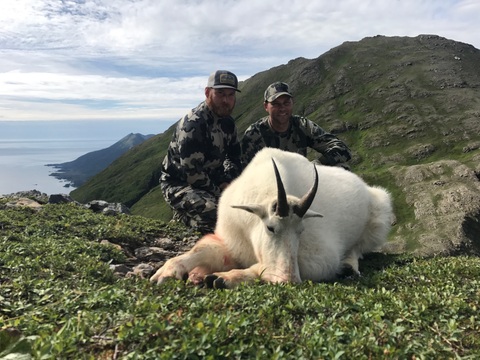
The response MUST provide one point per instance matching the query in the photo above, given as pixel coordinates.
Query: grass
(153, 206)
(59, 300)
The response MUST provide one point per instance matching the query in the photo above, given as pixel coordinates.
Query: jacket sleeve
(192, 158)
(332, 150)
(252, 142)
(233, 163)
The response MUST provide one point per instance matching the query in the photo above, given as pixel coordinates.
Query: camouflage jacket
(204, 151)
(301, 134)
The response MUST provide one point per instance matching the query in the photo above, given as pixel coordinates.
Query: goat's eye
(271, 229)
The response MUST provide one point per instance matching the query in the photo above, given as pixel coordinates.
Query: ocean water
(26, 149)
(23, 162)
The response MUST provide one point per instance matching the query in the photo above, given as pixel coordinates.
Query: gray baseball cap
(276, 90)
(223, 79)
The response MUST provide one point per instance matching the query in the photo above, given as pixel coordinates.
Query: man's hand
(344, 165)
(223, 186)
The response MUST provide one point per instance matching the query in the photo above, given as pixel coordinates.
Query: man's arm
(252, 142)
(191, 142)
(233, 162)
(332, 150)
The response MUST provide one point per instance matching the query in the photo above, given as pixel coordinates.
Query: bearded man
(203, 156)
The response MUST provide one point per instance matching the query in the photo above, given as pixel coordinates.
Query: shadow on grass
(374, 262)
(372, 265)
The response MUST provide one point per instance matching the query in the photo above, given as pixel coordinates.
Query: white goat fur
(356, 219)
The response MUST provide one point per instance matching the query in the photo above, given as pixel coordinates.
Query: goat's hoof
(348, 272)
(209, 280)
(219, 284)
(214, 282)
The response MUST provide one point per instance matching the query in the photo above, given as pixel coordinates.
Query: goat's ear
(311, 213)
(252, 208)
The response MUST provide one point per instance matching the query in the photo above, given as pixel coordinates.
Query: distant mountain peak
(78, 171)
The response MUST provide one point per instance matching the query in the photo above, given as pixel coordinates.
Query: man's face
(280, 109)
(221, 101)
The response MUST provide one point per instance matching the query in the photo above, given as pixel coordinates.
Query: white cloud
(44, 96)
(150, 58)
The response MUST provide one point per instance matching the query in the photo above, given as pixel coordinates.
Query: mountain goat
(275, 226)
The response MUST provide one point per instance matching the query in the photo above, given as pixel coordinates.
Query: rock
(24, 202)
(444, 198)
(421, 151)
(59, 199)
(165, 243)
(115, 209)
(107, 208)
(120, 269)
(96, 205)
(36, 195)
(144, 271)
(151, 253)
(35, 199)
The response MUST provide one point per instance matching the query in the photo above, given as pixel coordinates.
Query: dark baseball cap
(223, 79)
(276, 90)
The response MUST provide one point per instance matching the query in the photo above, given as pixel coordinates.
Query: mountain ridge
(78, 171)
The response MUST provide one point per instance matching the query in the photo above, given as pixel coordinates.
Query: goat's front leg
(207, 256)
(350, 262)
(235, 277)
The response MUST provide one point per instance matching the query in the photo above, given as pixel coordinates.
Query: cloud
(50, 96)
(81, 59)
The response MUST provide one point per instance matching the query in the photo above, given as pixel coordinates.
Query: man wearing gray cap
(203, 156)
(283, 130)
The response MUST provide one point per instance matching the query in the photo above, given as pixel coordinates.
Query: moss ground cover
(59, 300)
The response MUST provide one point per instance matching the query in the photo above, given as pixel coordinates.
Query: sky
(150, 59)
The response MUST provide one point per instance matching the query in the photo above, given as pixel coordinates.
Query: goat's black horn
(307, 199)
(282, 204)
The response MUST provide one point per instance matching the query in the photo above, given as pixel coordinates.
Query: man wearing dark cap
(203, 156)
(283, 130)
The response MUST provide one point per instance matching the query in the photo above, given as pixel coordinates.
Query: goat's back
(257, 185)
(340, 192)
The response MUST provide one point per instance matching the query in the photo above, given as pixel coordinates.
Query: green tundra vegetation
(60, 300)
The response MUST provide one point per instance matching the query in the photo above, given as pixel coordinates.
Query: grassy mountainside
(394, 100)
(129, 177)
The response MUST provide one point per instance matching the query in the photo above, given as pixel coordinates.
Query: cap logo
(227, 79)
